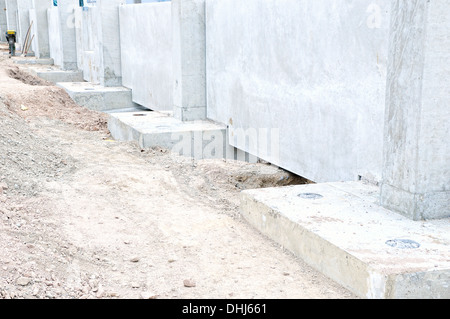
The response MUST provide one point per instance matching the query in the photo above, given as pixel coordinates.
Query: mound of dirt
(25, 159)
(34, 97)
(18, 74)
(54, 102)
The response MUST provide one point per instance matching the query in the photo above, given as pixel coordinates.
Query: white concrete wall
(34, 37)
(62, 34)
(313, 72)
(189, 59)
(11, 14)
(416, 179)
(79, 36)
(40, 27)
(54, 33)
(146, 46)
(23, 15)
(3, 22)
(87, 39)
(108, 47)
(98, 43)
(434, 140)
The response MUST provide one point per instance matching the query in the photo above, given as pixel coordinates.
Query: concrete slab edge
(336, 263)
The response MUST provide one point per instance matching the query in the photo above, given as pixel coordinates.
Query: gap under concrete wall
(146, 45)
(314, 70)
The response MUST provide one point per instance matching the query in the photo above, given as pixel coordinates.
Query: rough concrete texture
(86, 39)
(97, 97)
(3, 22)
(98, 43)
(189, 59)
(54, 74)
(23, 19)
(416, 175)
(66, 26)
(147, 65)
(197, 139)
(54, 33)
(79, 36)
(339, 229)
(316, 70)
(108, 47)
(34, 60)
(38, 14)
(34, 48)
(11, 14)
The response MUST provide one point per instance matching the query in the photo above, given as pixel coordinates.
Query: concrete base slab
(15, 56)
(98, 98)
(197, 139)
(339, 229)
(48, 61)
(55, 75)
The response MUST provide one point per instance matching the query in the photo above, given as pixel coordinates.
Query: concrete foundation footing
(43, 61)
(197, 139)
(98, 98)
(56, 75)
(340, 229)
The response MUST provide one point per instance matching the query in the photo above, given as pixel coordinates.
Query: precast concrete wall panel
(38, 14)
(23, 18)
(54, 33)
(309, 74)
(87, 41)
(11, 15)
(34, 33)
(146, 52)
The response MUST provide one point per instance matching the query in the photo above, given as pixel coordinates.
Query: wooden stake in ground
(29, 44)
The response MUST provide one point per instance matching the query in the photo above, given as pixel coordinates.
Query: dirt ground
(83, 216)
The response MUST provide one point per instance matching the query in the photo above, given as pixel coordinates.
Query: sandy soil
(83, 216)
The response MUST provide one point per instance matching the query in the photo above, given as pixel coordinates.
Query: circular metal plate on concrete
(310, 196)
(403, 243)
